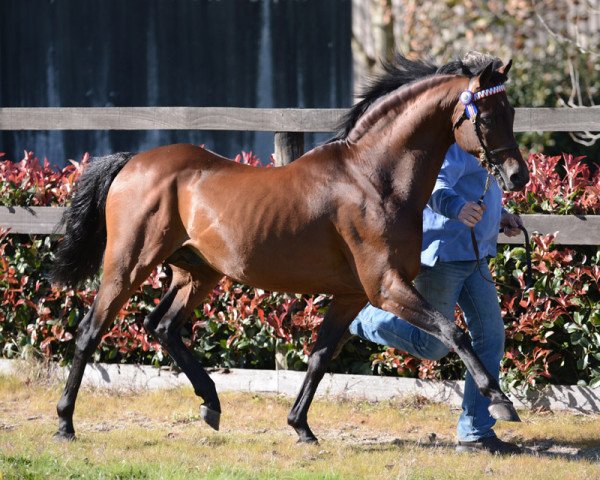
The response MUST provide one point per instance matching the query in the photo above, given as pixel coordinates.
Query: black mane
(401, 71)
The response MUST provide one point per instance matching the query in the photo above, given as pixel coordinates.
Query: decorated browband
(468, 99)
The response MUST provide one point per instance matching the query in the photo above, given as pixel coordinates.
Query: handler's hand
(510, 224)
(471, 213)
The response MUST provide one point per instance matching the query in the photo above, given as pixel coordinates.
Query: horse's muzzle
(513, 171)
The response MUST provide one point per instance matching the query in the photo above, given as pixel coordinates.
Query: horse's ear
(486, 75)
(504, 69)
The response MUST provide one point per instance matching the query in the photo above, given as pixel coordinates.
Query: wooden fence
(289, 126)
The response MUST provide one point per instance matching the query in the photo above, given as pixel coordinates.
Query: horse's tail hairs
(79, 252)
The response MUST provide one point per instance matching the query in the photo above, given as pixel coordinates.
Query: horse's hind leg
(192, 280)
(118, 283)
(340, 314)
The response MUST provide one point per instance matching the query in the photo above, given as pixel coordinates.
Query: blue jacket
(445, 238)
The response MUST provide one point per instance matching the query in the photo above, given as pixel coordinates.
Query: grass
(158, 435)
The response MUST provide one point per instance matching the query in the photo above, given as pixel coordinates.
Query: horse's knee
(160, 324)
(87, 340)
(150, 324)
(453, 335)
(319, 359)
(461, 338)
(161, 332)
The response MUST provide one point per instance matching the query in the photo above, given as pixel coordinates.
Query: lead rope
(528, 278)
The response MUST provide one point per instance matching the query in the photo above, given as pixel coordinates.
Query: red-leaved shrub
(553, 329)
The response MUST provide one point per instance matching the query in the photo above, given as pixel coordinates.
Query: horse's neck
(403, 156)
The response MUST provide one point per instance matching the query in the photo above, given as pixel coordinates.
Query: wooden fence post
(288, 147)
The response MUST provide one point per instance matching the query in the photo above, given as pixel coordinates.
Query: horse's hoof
(210, 416)
(64, 436)
(309, 440)
(504, 411)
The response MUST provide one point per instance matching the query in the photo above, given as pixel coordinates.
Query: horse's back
(176, 158)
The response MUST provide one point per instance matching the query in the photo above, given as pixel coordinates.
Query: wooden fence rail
(570, 229)
(289, 126)
(251, 119)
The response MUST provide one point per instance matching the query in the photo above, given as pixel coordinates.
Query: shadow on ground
(535, 447)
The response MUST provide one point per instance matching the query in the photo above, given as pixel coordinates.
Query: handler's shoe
(489, 444)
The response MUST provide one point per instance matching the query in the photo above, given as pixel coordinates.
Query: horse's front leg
(337, 319)
(399, 297)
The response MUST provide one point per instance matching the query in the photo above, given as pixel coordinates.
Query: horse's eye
(486, 119)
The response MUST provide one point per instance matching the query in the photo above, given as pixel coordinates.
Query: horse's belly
(293, 266)
(301, 275)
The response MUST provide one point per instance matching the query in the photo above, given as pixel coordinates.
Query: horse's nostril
(517, 180)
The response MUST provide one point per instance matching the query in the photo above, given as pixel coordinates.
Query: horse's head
(483, 126)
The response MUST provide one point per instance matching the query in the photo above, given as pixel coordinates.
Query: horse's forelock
(475, 62)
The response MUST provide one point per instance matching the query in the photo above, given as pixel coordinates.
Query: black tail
(79, 252)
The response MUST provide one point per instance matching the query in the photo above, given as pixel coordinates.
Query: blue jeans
(443, 286)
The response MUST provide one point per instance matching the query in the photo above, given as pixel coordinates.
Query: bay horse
(345, 219)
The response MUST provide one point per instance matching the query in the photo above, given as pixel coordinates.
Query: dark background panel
(242, 53)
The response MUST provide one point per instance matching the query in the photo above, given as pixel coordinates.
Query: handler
(450, 275)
